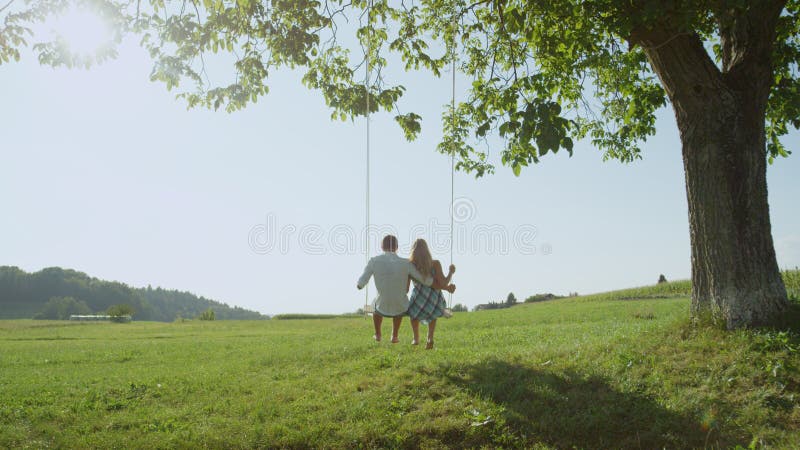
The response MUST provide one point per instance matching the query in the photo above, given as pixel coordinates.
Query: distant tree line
(543, 297)
(511, 300)
(54, 293)
(60, 308)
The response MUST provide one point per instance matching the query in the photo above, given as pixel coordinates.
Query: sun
(82, 30)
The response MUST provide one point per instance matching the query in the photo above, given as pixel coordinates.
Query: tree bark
(721, 115)
(735, 273)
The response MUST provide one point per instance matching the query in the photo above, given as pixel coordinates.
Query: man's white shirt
(391, 273)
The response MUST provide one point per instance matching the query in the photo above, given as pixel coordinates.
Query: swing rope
(452, 170)
(453, 152)
(366, 88)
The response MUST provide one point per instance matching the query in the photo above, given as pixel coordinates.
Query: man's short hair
(389, 243)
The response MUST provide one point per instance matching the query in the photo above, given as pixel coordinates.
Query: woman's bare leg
(431, 329)
(415, 330)
(377, 320)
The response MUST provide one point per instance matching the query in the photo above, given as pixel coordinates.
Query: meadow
(602, 371)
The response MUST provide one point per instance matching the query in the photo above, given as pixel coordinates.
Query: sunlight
(83, 31)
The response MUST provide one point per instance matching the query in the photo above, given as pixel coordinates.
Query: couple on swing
(393, 276)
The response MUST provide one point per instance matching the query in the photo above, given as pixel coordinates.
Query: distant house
(100, 318)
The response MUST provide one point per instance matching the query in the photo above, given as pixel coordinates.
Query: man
(391, 275)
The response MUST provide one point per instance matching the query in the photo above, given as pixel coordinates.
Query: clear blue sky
(105, 172)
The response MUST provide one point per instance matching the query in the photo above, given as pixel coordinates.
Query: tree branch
(747, 38)
(510, 42)
(682, 64)
(7, 5)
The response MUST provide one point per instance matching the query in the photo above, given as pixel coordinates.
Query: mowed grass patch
(584, 372)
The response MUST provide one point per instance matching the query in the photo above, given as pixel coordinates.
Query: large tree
(543, 74)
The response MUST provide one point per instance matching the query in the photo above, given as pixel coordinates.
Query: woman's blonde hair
(421, 257)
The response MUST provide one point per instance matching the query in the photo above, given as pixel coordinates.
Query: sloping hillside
(582, 372)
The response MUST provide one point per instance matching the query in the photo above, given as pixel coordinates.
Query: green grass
(791, 278)
(683, 288)
(584, 372)
(672, 289)
(309, 316)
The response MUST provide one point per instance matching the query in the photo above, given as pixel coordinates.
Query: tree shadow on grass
(790, 319)
(569, 410)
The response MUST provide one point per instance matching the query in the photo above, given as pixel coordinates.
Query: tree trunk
(721, 116)
(735, 275)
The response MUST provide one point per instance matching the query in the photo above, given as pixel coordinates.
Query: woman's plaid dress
(426, 304)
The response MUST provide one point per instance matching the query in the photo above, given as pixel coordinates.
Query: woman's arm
(408, 283)
(439, 280)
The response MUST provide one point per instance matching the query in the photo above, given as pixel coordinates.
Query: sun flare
(83, 31)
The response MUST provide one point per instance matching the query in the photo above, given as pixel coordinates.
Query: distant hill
(24, 295)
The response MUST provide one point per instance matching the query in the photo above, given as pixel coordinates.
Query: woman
(427, 304)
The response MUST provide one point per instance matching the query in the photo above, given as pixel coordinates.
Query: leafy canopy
(542, 74)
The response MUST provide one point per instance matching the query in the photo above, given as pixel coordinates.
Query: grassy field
(586, 372)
